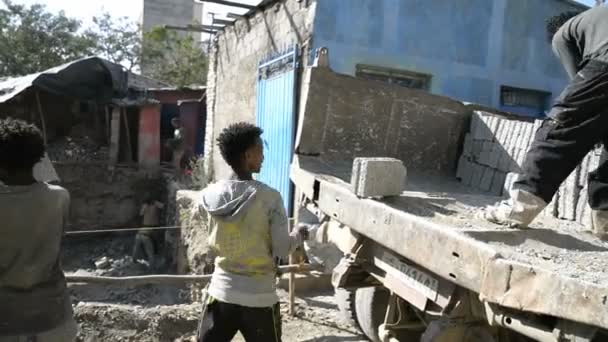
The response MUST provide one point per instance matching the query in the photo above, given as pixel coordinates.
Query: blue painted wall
(470, 47)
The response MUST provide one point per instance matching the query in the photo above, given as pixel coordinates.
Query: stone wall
(236, 52)
(193, 254)
(493, 154)
(103, 197)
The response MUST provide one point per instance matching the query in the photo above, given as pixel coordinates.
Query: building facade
(494, 53)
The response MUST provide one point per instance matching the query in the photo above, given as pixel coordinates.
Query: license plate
(410, 275)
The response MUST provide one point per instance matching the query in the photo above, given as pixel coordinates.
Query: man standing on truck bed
(34, 301)
(577, 122)
(248, 232)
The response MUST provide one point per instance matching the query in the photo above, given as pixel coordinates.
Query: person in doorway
(576, 123)
(34, 301)
(248, 232)
(178, 145)
(148, 241)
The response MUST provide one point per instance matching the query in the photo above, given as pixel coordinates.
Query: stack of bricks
(493, 154)
(493, 150)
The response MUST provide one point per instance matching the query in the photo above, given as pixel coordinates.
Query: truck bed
(553, 268)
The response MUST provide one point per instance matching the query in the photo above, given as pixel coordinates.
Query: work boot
(517, 212)
(599, 220)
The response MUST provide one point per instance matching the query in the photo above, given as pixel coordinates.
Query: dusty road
(317, 320)
(165, 313)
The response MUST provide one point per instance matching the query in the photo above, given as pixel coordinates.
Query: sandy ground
(165, 313)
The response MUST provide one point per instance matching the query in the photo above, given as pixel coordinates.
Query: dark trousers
(223, 320)
(577, 122)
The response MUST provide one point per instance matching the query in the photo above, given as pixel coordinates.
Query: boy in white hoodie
(248, 232)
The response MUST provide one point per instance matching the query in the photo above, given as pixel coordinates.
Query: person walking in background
(34, 301)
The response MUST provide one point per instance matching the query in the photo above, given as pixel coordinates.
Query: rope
(102, 231)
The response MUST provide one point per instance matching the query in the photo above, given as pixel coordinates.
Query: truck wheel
(370, 308)
(345, 299)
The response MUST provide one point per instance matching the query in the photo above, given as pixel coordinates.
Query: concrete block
(495, 155)
(584, 170)
(460, 167)
(486, 152)
(378, 177)
(498, 183)
(504, 131)
(467, 172)
(528, 136)
(477, 175)
(486, 179)
(477, 149)
(493, 125)
(474, 128)
(510, 178)
(467, 147)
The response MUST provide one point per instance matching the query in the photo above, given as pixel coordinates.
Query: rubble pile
(77, 149)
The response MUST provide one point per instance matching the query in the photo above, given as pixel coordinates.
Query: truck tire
(345, 299)
(370, 309)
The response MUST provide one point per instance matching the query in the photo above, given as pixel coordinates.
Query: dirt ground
(165, 313)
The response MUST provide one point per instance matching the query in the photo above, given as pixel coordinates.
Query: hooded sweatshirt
(248, 231)
(33, 290)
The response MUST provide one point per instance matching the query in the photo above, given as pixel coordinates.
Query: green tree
(173, 58)
(33, 39)
(117, 40)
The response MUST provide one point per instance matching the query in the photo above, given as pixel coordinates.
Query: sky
(86, 9)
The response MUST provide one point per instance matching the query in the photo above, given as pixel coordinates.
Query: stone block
(378, 177)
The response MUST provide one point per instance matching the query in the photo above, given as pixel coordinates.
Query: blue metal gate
(275, 114)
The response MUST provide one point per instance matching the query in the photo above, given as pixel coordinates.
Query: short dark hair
(554, 23)
(236, 139)
(21, 144)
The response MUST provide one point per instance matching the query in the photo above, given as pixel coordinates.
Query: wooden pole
(107, 124)
(42, 121)
(170, 279)
(128, 134)
(292, 288)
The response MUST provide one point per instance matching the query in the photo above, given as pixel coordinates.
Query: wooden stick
(42, 121)
(128, 133)
(171, 279)
(108, 125)
(292, 288)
